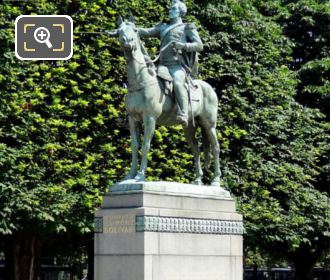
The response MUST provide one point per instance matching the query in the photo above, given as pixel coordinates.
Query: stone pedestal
(168, 231)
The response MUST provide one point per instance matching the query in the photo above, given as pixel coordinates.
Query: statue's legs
(212, 136)
(192, 141)
(149, 129)
(181, 94)
(135, 136)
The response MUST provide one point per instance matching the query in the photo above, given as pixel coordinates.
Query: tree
(271, 145)
(55, 149)
(306, 23)
(63, 133)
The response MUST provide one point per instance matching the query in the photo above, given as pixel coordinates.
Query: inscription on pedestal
(119, 223)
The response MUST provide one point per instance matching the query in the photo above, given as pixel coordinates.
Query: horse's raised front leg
(149, 129)
(212, 135)
(191, 139)
(135, 136)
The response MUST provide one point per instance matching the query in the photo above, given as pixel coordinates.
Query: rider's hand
(179, 46)
(112, 33)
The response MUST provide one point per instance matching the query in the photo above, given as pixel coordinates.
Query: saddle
(166, 80)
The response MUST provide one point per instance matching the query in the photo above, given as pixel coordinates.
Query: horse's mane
(146, 55)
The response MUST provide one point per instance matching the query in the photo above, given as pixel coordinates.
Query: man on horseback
(146, 101)
(180, 43)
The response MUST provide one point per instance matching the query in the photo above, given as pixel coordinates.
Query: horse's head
(128, 36)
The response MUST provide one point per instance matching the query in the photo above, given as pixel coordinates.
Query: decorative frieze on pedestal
(167, 224)
(184, 225)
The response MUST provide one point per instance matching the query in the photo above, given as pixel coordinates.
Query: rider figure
(180, 43)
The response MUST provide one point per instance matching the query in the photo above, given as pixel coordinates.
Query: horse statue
(147, 104)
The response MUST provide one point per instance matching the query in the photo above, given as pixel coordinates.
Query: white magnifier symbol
(41, 35)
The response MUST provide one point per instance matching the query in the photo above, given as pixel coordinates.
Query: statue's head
(177, 9)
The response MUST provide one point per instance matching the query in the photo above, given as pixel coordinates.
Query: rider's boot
(182, 99)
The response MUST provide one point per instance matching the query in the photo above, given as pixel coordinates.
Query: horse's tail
(206, 149)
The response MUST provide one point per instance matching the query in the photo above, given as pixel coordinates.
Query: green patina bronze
(149, 100)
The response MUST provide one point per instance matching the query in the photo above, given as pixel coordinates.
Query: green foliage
(306, 23)
(272, 146)
(64, 136)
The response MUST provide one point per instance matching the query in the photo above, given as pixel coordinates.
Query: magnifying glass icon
(41, 35)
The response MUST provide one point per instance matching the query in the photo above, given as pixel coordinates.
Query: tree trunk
(304, 259)
(90, 254)
(255, 272)
(304, 271)
(23, 256)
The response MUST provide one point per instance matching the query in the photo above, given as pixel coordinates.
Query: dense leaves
(274, 150)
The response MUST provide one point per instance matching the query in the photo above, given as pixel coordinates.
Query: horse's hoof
(197, 182)
(215, 183)
(129, 176)
(126, 181)
(140, 177)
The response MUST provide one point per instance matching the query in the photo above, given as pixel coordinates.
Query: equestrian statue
(168, 94)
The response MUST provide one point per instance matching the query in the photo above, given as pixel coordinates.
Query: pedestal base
(168, 231)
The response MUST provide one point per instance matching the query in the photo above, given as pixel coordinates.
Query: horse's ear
(131, 18)
(119, 20)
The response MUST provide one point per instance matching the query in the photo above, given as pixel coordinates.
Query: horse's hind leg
(135, 135)
(149, 129)
(191, 139)
(212, 136)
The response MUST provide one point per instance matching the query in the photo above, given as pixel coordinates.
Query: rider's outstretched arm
(150, 32)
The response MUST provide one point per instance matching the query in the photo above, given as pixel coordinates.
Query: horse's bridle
(157, 56)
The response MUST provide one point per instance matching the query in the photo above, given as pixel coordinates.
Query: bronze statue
(148, 100)
(180, 43)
